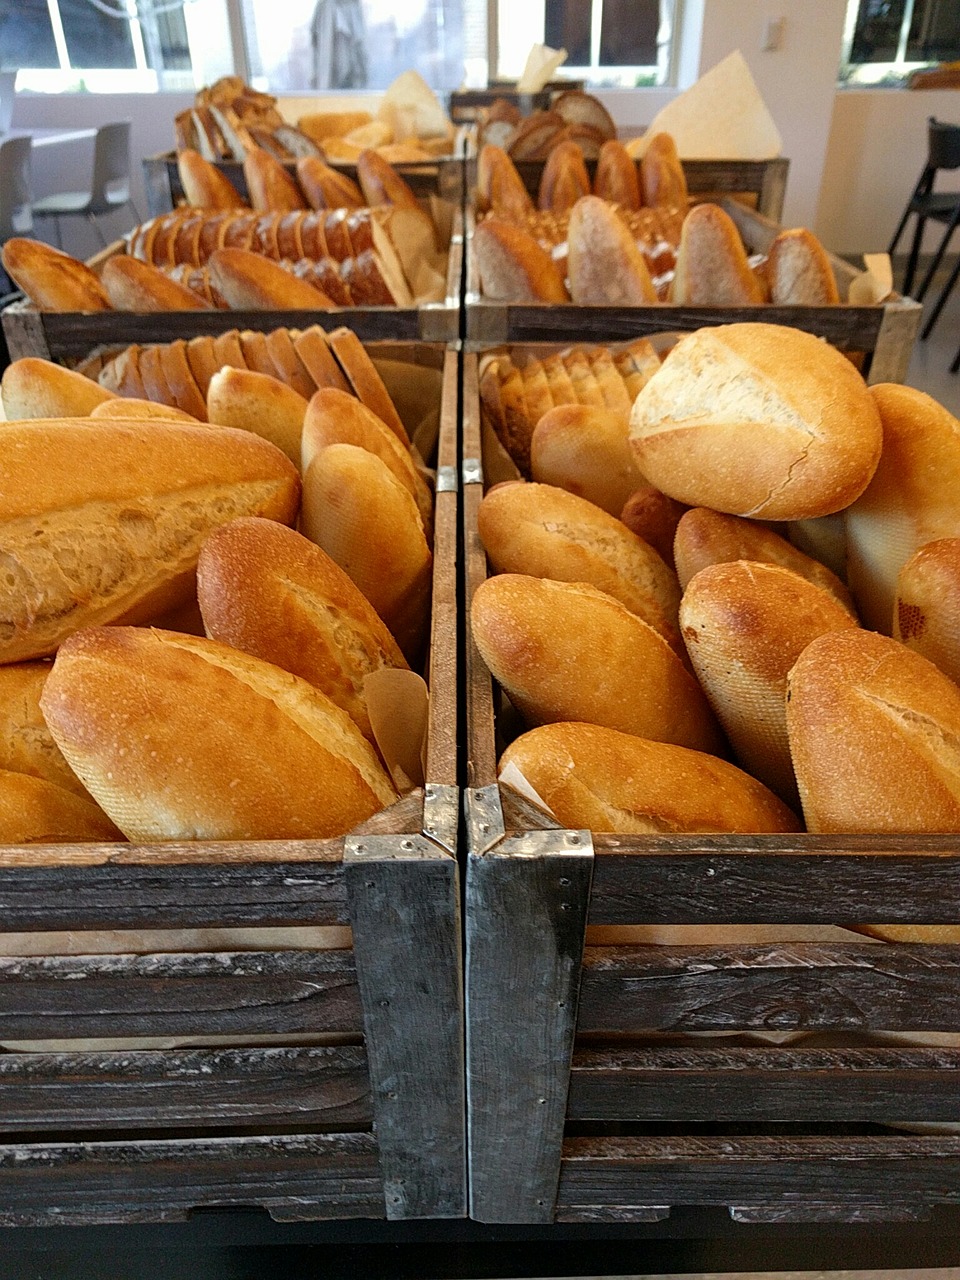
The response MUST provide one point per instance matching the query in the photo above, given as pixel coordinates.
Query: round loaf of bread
(913, 498)
(37, 811)
(602, 780)
(874, 729)
(757, 420)
(269, 591)
(585, 450)
(927, 614)
(565, 651)
(548, 533)
(744, 625)
(35, 388)
(706, 537)
(182, 738)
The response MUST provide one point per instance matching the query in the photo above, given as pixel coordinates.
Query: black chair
(943, 152)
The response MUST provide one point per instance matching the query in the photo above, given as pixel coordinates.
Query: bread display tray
(314, 1076)
(571, 1120)
(885, 333)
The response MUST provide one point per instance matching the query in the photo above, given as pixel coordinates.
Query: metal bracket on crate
(441, 815)
(446, 480)
(472, 471)
(403, 896)
(484, 816)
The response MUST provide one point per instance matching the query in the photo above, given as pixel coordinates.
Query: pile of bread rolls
(763, 636)
(573, 116)
(213, 595)
(629, 238)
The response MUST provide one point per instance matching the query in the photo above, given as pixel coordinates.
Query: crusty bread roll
(549, 533)
(744, 625)
(499, 186)
(117, 538)
(662, 179)
(757, 420)
(335, 417)
(799, 271)
(274, 594)
(368, 523)
(51, 279)
(204, 186)
(712, 268)
(513, 266)
(325, 188)
(251, 282)
(179, 380)
(564, 180)
(26, 745)
(321, 125)
(124, 407)
(35, 388)
(37, 811)
(654, 517)
(873, 730)
(380, 182)
(585, 451)
(913, 498)
(565, 651)
(258, 403)
(253, 753)
(271, 188)
(926, 616)
(604, 264)
(705, 537)
(617, 178)
(132, 285)
(365, 382)
(597, 778)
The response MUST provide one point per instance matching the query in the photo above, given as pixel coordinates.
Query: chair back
(943, 144)
(16, 218)
(111, 167)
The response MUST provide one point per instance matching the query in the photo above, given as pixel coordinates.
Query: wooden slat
(293, 1177)
(781, 987)
(218, 994)
(685, 1082)
(732, 879)
(320, 1086)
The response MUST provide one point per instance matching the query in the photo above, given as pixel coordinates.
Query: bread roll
(597, 778)
(706, 537)
(271, 188)
(654, 517)
(564, 180)
(365, 382)
(26, 745)
(380, 182)
(258, 403)
(565, 651)
(604, 264)
(662, 179)
(913, 498)
(132, 285)
(513, 267)
(251, 282)
(927, 613)
(585, 451)
(183, 390)
(543, 531)
(325, 188)
(117, 538)
(499, 186)
(617, 178)
(757, 420)
(744, 625)
(274, 594)
(368, 523)
(873, 730)
(712, 268)
(799, 271)
(35, 388)
(51, 279)
(123, 407)
(204, 186)
(313, 352)
(252, 754)
(36, 811)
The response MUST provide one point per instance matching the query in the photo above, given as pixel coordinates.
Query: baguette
(253, 754)
(365, 382)
(26, 745)
(260, 404)
(499, 186)
(654, 517)
(51, 279)
(129, 408)
(313, 351)
(605, 266)
(324, 188)
(380, 182)
(35, 388)
(272, 593)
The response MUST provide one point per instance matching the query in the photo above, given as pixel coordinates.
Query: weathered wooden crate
(582, 1109)
(884, 334)
(316, 1076)
(467, 104)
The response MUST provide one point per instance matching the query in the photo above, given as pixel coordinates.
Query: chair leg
(95, 223)
(955, 367)
(56, 231)
(938, 307)
(914, 255)
(938, 256)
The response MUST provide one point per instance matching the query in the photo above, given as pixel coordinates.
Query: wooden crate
(467, 104)
(336, 1090)
(571, 1120)
(885, 333)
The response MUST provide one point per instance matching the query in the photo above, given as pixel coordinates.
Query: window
(884, 40)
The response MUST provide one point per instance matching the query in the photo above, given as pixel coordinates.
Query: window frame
(887, 74)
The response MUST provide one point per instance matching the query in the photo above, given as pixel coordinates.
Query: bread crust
(52, 280)
(513, 266)
(204, 186)
(35, 388)
(604, 264)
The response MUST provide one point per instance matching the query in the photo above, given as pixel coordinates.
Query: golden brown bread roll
(799, 271)
(564, 179)
(51, 279)
(37, 811)
(368, 524)
(270, 187)
(253, 753)
(744, 625)
(26, 745)
(662, 179)
(251, 282)
(654, 517)
(324, 188)
(548, 533)
(269, 591)
(926, 617)
(616, 178)
(118, 538)
(204, 186)
(757, 420)
(128, 407)
(380, 182)
(597, 778)
(259, 403)
(35, 388)
(565, 651)
(183, 389)
(313, 352)
(873, 730)
(604, 264)
(132, 285)
(365, 382)
(513, 267)
(705, 537)
(913, 498)
(585, 451)
(712, 268)
(499, 186)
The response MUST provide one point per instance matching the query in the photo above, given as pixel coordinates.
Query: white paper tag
(511, 776)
